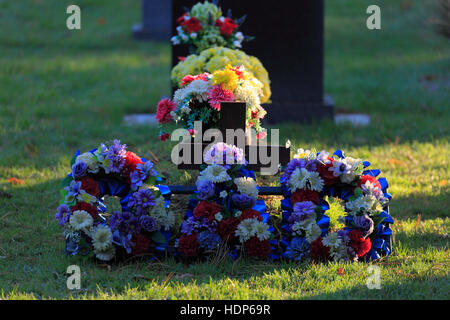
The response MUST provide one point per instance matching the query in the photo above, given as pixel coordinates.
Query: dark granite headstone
(290, 44)
(156, 21)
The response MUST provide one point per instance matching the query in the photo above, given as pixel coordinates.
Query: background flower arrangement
(224, 214)
(311, 176)
(200, 97)
(204, 26)
(217, 58)
(142, 224)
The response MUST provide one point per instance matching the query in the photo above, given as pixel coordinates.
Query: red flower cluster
(305, 195)
(141, 244)
(190, 25)
(83, 206)
(249, 214)
(164, 137)
(188, 245)
(319, 252)
(371, 179)
(227, 26)
(90, 186)
(327, 175)
(217, 95)
(226, 229)
(206, 210)
(189, 78)
(257, 248)
(358, 243)
(165, 107)
(131, 161)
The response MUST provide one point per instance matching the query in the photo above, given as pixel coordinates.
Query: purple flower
(147, 169)
(124, 222)
(310, 165)
(123, 240)
(73, 190)
(148, 223)
(302, 210)
(141, 200)
(298, 249)
(137, 179)
(364, 224)
(208, 240)
(243, 201)
(62, 214)
(79, 169)
(205, 189)
(193, 224)
(115, 155)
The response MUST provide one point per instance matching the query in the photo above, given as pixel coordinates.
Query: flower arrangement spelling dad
(142, 223)
(306, 180)
(200, 96)
(224, 211)
(204, 27)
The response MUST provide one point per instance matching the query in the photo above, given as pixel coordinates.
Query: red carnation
(180, 20)
(305, 195)
(371, 179)
(257, 248)
(86, 207)
(164, 137)
(131, 161)
(227, 26)
(188, 245)
(165, 107)
(90, 186)
(249, 214)
(358, 243)
(227, 227)
(327, 175)
(206, 210)
(141, 244)
(189, 78)
(318, 251)
(192, 25)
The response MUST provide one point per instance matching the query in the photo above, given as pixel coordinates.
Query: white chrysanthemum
(323, 157)
(247, 185)
(298, 179)
(300, 226)
(81, 220)
(179, 96)
(90, 160)
(223, 194)
(107, 254)
(218, 216)
(365, 203)
(305, 154)
(261, 230)
(101, 238)
(250, 93)
(162, 216)
(245, 229)
(315, 181)
(313, 232)
(198, 89)
(351, 172)
(215, 173)
(332, 240)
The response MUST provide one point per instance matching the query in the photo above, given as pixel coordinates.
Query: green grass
(64, 90)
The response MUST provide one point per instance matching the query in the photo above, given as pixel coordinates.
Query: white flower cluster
(214, 173)
(163, 217)
(247, 186)
(301, 178)
(80, 220)
(239, 39)
(347, 169)
(252, 227)
(333, 242)
(90, 160)
(305, 154)
(364, 204)
(370, 189)
(250, 92)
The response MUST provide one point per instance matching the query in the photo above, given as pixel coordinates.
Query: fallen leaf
(340, 271)
(101, 21)
(15, 181)
(396, 162)
(442, 183)
(418, 220)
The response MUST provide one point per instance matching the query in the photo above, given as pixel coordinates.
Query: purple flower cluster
(302, 210)
(73, 190)
(148, 223)
(141, 174)
(243, 201)
(208, 240)
(193, 225)
(115, 154)
(225, 154)
(63, 214)
(205, 189)
(79, 169)
(124, 222)
(309, 165)
(142, 200)
(364, 224)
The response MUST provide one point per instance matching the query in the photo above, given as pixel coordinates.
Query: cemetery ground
(66, 90)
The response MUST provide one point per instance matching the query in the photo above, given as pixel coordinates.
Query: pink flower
(217, 95)
(164, 137)
(165, 107)
(192, 132)
(188, 79)
(261, 135)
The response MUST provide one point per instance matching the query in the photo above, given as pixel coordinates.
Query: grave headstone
(156, 21)
(290, 44)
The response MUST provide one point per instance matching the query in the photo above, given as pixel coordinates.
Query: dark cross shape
(232, 116)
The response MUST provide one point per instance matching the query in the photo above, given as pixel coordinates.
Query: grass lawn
(65, 90)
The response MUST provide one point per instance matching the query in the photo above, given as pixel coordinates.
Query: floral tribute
(306, 233)
(141, 225)
(217, 58)
(224, 214)
(200, 97)
(204, 26)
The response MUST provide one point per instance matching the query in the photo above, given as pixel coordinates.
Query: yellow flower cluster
(218, 58)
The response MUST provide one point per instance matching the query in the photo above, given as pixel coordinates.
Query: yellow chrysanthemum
(227, 78)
